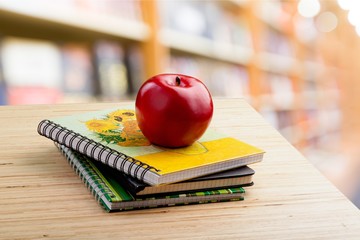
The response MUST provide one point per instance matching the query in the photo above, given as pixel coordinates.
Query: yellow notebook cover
(112, 136)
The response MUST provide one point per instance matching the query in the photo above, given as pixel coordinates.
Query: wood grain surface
(41, 197)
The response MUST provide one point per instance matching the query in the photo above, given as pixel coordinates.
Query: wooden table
(41, 197)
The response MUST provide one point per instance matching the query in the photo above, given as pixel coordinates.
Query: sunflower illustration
(118, 127)
(121, 116)
(100, 125)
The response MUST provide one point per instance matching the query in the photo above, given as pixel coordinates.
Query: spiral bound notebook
(108, 191)
(112, 136)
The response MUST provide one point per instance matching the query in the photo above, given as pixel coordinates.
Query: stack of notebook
(124, 171)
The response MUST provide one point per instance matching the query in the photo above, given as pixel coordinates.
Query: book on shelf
(111, 70)
(40, 76)
(172, 16)
(209, 20)
(113, 137)
(241, 176)
(33, 95)
(108, 191)
(235, 84)
(78, 77)
(134, 61)
(277, 43)
(3, 94)
(3, 89)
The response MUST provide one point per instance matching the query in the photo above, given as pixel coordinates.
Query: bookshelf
(240, 48)
(80, 15)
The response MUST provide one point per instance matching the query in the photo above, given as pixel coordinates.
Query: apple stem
(177, 80)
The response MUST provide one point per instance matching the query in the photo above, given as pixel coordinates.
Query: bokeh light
(308, 8)
(326, 22)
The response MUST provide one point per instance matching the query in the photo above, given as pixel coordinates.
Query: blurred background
(296, 62)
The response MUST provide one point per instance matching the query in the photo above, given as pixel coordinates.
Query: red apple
(173, 110)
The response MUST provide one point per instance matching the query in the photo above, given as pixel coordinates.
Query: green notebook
(102, 183)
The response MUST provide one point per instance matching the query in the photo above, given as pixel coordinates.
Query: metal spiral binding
(43, 130)
(96, 182)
